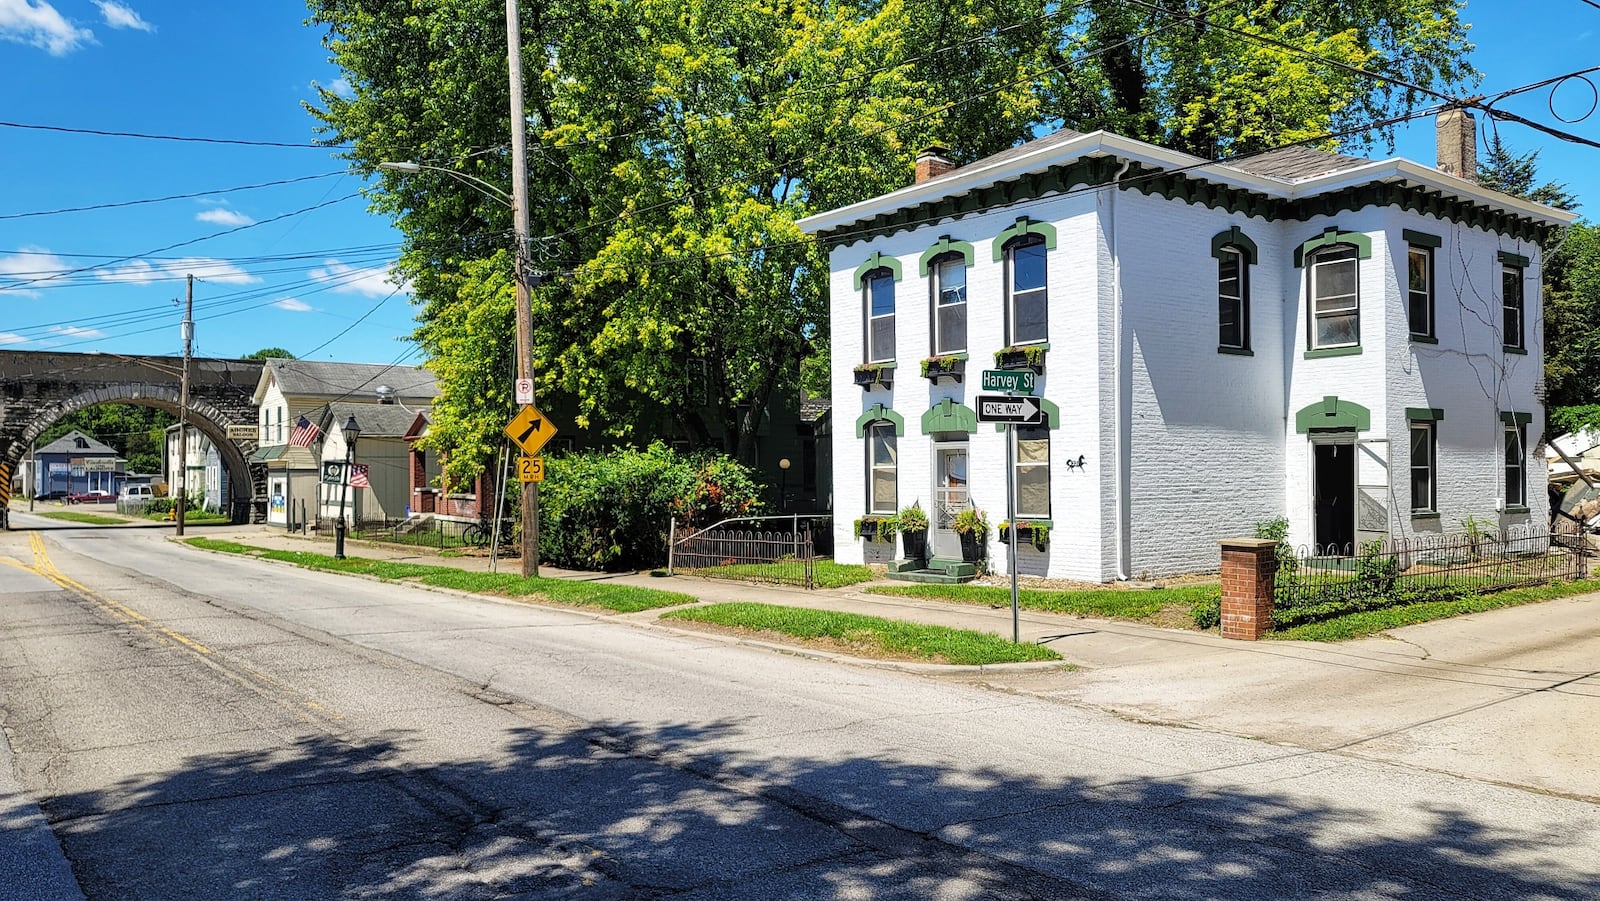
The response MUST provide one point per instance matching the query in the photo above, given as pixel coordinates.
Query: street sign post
(529, 429)
(530, 469)
(1018, 381)
(524, 391)
(1012, 410)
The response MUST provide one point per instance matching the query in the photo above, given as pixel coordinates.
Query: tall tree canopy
(676, 142)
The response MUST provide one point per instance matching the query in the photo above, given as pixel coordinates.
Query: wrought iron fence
(1313, 585)
(431, 532)
(786, 555)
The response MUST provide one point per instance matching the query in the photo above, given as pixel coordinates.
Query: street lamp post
(352, 431)
(783, 483)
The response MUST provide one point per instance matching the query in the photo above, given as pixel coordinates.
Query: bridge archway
(246, 481)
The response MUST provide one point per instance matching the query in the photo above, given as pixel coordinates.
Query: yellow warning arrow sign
(529, 429)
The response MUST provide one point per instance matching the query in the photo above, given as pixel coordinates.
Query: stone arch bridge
(37, 388)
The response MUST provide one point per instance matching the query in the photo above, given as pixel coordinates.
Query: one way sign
(1014, 410)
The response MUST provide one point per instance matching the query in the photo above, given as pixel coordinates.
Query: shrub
(610, 510)
(1207, 612)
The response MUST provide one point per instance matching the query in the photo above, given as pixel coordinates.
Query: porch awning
(270, 452)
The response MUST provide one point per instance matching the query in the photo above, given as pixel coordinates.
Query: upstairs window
(878, 286)
(1419, 290)
(1026, 293)
(1511, 301)
(950, 304)
(883, 460)
(1233, 300)
(1335, 302)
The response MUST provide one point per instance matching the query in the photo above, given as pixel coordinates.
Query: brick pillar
(1248, 567)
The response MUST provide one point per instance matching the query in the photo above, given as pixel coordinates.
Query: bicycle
(478, 534)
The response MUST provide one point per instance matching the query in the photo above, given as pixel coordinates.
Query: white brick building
(1351, 344)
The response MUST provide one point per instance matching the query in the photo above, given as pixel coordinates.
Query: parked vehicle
(96, 496)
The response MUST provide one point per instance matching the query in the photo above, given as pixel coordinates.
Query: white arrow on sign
(1017, 410)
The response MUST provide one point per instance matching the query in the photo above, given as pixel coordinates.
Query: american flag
(305, 432)
(358, 476)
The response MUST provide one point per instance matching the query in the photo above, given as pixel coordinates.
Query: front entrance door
(950, 496)
(1333, 483)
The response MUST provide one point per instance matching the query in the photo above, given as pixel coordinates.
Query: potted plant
(913, 525)
(869, 374)
(973, 527)
(947, 366)
(1028, 356)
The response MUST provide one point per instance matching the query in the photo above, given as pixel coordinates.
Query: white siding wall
(1206, 427)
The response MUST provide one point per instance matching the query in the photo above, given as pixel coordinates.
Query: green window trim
(1516, 508)
(877, 261)
(945, 246)
(1421, 239)
(1510, 349)
(1234, 237)
(1236, 351)
(1330, 236)
(1424, 414)
(1024, 226)
(1052, 414)
(1424, 516)
(880, 413)
(1353, 350)
(1513, 418)
(1423, 339)
(1513, 259)
(1332, 413)
(949, 416)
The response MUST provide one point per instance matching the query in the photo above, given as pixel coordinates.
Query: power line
(189, 196)
(187, 139)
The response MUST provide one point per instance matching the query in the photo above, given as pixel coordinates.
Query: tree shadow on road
(648, 811)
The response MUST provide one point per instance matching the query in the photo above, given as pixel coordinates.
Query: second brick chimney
(1457, 142)
(932, 163)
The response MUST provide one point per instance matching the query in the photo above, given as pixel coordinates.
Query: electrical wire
(186, 139)
(127, 203)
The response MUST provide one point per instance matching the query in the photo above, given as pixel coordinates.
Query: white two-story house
(1354, 345)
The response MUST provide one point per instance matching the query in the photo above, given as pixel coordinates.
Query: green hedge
(610, 510)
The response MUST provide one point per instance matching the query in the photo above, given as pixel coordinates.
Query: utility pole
(519, 218)
(183, 406)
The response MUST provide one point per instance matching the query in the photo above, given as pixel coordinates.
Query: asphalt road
(195, 726)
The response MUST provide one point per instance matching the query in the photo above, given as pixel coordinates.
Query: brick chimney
(1457, 142)
(932, 163)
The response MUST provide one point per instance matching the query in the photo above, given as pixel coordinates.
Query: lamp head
(784, 463)
(407, 167)
(352, 429)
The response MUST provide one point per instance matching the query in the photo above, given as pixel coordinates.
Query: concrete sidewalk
(1510, 696)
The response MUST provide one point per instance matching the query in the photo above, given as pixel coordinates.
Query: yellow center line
(44, 566)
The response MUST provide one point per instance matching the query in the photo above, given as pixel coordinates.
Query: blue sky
(100, 280)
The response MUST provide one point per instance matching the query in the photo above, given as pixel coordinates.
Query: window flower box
(947, 366)
(1035, 532)
(1027, 356)
(876, 528)
(870, 374)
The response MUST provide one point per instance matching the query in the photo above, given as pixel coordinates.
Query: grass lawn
(868, 636)
(828, 573)
(616, 598)
(1112, 603)
(194, 518)
(88, 519)
(1367, 622)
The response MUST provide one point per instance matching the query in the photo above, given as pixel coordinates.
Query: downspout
(1119, 398)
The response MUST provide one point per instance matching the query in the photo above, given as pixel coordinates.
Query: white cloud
(295, 306)
(39, 24)
(119, 16)
(222, 216)
(142, 272)
(11, 338)
(72, 331)
(347, 279)
(26, 265)
(341, 86)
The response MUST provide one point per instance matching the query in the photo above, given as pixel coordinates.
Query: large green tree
(134, 432)
(676, 142)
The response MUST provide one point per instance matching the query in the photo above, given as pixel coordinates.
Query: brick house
(1352, 344)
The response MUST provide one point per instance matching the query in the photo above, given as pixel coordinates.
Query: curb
(653, 623)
